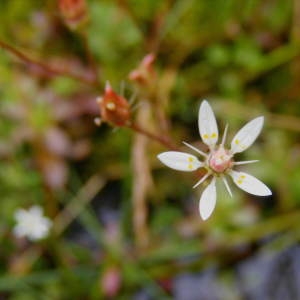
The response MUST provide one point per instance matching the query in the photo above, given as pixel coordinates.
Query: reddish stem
(162, 140)
(45, 67)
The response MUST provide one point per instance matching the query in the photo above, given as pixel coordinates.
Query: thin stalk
(50, 69)
(162, 140)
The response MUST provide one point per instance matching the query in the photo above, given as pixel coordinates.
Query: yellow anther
(190, 166)
(239, 181)
(237, 142)
(242, 176)
(213, 135)
(191, 159)
(205, 136)
(110, 105)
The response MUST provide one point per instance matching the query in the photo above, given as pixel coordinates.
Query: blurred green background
(124, 225)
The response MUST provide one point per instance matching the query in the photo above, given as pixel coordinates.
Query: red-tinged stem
(162, 140)
(50, 69)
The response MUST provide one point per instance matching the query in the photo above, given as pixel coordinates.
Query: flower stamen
(227, 185)
(237, 163)
(224, 135)
(195, 149)
(202, 179)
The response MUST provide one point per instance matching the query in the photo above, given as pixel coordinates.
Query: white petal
(247, 135)
(20, 214)
(35, 210)
(46, 223)
(180, 161)
(38, 233)
(208, 200)
(250, 184)
(19, 231)
(35, 235)
(207, 124)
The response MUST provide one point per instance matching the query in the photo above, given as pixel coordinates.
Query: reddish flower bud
(74, 12)
(145, 72)
(111, 282)
(114, 108)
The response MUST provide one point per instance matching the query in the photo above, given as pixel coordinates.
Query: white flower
(219, 161)
(31, 223)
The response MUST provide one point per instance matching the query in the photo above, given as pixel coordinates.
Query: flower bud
(74, 12)
(111, 282)
(145, 72)
(114, 108)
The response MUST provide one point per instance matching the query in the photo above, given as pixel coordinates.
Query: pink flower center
(220, 160)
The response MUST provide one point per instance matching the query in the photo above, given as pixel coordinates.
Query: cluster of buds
(114, 109)
(73, 12)
(144, 74)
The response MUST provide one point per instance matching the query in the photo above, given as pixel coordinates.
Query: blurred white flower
(31, 223)
(218, 161)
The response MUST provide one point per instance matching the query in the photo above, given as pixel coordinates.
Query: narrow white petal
(36, 210)
(247, 135)
(20, 214)
(245, 162)
(36, 235)
(19, 231)
(208, 200)
(39, 232)
(195, 149)
(180, 161)
(47, 223)
(227, 185)
(207, 124)
(202, 179)
(250, 184)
